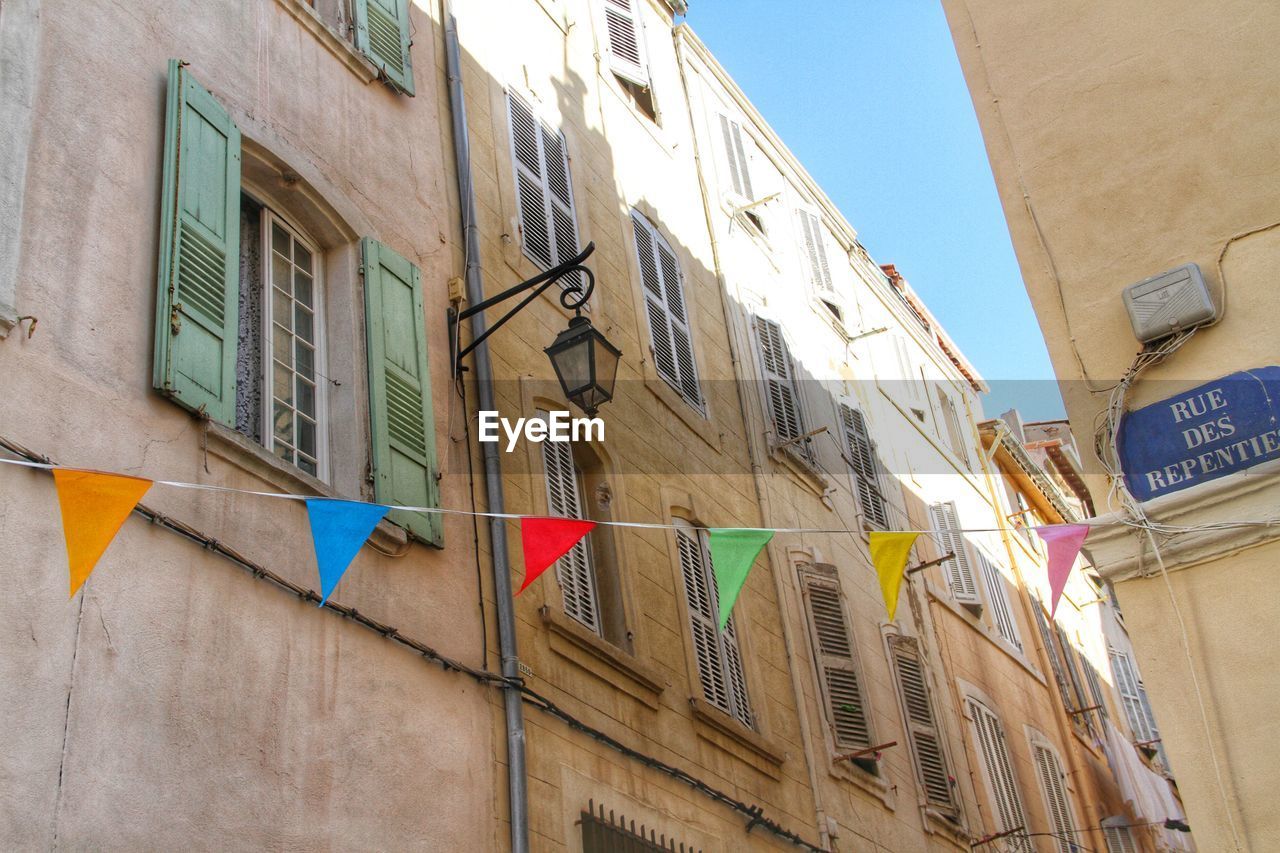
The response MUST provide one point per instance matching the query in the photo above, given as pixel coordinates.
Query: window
(997, 768)
(544, 194)
(669, 334)
(626, 52)
(999, 595)
(1053, 786)
(1055, 659)
(946, 532)
(719, 661)
(588, 573)
(932, 769)
(783, 390)
(1070, 665)
(1118, 836)
(836, 659)
(866, 467)
(379, 29)
(955, 433)
(602, 832)
(815, 246)
(1095, 686)
(1134, 697)
(909, 388)
(739, 170)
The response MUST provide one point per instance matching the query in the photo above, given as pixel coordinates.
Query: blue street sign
(1213, 430)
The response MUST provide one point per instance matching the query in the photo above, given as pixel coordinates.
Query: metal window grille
(612, 833)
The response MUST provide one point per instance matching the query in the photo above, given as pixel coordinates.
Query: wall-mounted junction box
(1169, 302)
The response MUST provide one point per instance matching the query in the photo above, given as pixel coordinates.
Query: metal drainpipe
(517, 781)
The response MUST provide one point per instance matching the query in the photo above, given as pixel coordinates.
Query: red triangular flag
(546, 540)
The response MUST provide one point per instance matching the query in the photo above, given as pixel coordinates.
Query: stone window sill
(940, 823)
(805, 471)
(688, 415)
(876, 786)
(603, 659)
(331, 40)
(719, 728)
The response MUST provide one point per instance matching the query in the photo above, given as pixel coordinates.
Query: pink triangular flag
(546, 540)
(1063, 542)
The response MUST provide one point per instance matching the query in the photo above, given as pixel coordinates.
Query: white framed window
(950, 539)
(670, 336)
(736, 157)
(997, 769)
(813, 235)
(956, 434)
(626, 49)
(1001, 607)
(294, 398)
(783, 391)
(544, 191)
(1133, 696)
(910, 381)
(1053, 785)
(1118, 836)
(718, 657)
(866, 467)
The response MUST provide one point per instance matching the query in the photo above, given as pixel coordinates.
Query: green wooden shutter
(401, 423)
(382, 34)
(198, 290)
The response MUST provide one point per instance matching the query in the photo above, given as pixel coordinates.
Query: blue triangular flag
(338, 529)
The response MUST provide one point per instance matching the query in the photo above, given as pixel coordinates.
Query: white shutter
(1131, 696)
(865, 470)
(954, 430)
(574, 570)
(779, 377)
(544, 194)
(815, 246)
(1052, 783)
(946, 525)
(1119, 839)
(922, 728)
(626, 41)
(669, 331)
(998, 770)
(999, 596)
(833, 647)
(736, 156)
(907, 370)
(1073, 674)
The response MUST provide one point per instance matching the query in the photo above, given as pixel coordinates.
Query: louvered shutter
(383, 35)
(946, 525)
(998, 769)
(669, 331)
(998, 593)
(865, 468)
(736, 156)
(1073, 674)
(784, 399)
(815, 245)
(1052, 783)
(574, 570)
(1095, 685)
(198, 290)
(922, 728)
(833, 645)
(954, 431)
(1119, 839)
(544, 194)
(626, 41)
(1131, 696)
(400, 411)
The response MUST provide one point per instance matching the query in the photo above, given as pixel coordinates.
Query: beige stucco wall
(178, 701)
(1127, 139)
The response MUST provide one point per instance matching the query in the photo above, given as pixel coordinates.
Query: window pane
(282, 384)
(306, 436)
(302, 287)
(283, 423)
(280, 272)
(281, 307)
(282, 346)
(306, 398)
(302, 325)
(280, 239)
(306, 362)
(284, 452)
(302, 257)
(307, 465)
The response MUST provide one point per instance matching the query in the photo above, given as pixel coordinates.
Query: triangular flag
(889, 552)
(1063, 542)
(546, 540)
(94, 507)
(733, 553)
(338, 529)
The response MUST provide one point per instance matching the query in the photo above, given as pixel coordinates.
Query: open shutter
(574, 571)
(736, 157)
(954, 431)
(865, 469)
(833, 645)
(400, 416)
(198, 290)
(1049, 770)
(784, 402)
(626, 41)
(998, 770)
(665, 306)
(999, 597)
(1055, 660)
(946, 525)
(1133, 697)
(922, 728)
(815, 245)
(382, 34)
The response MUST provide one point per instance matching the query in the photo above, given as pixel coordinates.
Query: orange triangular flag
(94, 507)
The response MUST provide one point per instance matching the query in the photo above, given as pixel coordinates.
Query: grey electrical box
(1168, 303)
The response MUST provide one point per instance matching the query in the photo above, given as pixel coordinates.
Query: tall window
(735, 152)
(783, 390)
(997, 768)
(815, 246)
(955, 433)
(669, 334)
(1118, 836)
(624, 32)
(544, 193)
(724, 684)
(866, 467)
(847, 711)
(1054, 787)
(1002, 609)
(932, 769)
(1133, 696)
(959, 569)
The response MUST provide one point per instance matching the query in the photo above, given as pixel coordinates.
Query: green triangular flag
(733, 553)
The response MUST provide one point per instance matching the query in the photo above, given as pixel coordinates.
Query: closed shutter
(626, 41)
(998, 769)
(1073, 675)
(1095, 685)
(779, 377)
(1131, 696)
(574, 570)
(669, 332)
(719, 661)
(815, 246)
(736, 156)
(544, 194)
(998, 593)
(1119, 839)
(865, 468)
(847, 711)
(954, 431)
(1053, 784)
(400, 411)
(1051, 649)
(946, 525)
(922, 728)
(382, 34)
(198, 291)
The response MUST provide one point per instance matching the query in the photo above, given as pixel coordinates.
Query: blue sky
(870, 96)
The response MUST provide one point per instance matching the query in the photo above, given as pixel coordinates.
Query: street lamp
(584, 360)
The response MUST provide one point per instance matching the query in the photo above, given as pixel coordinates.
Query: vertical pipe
(517, 782)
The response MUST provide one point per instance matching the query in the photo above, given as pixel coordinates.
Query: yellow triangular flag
(889, 555)
(94, 507)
